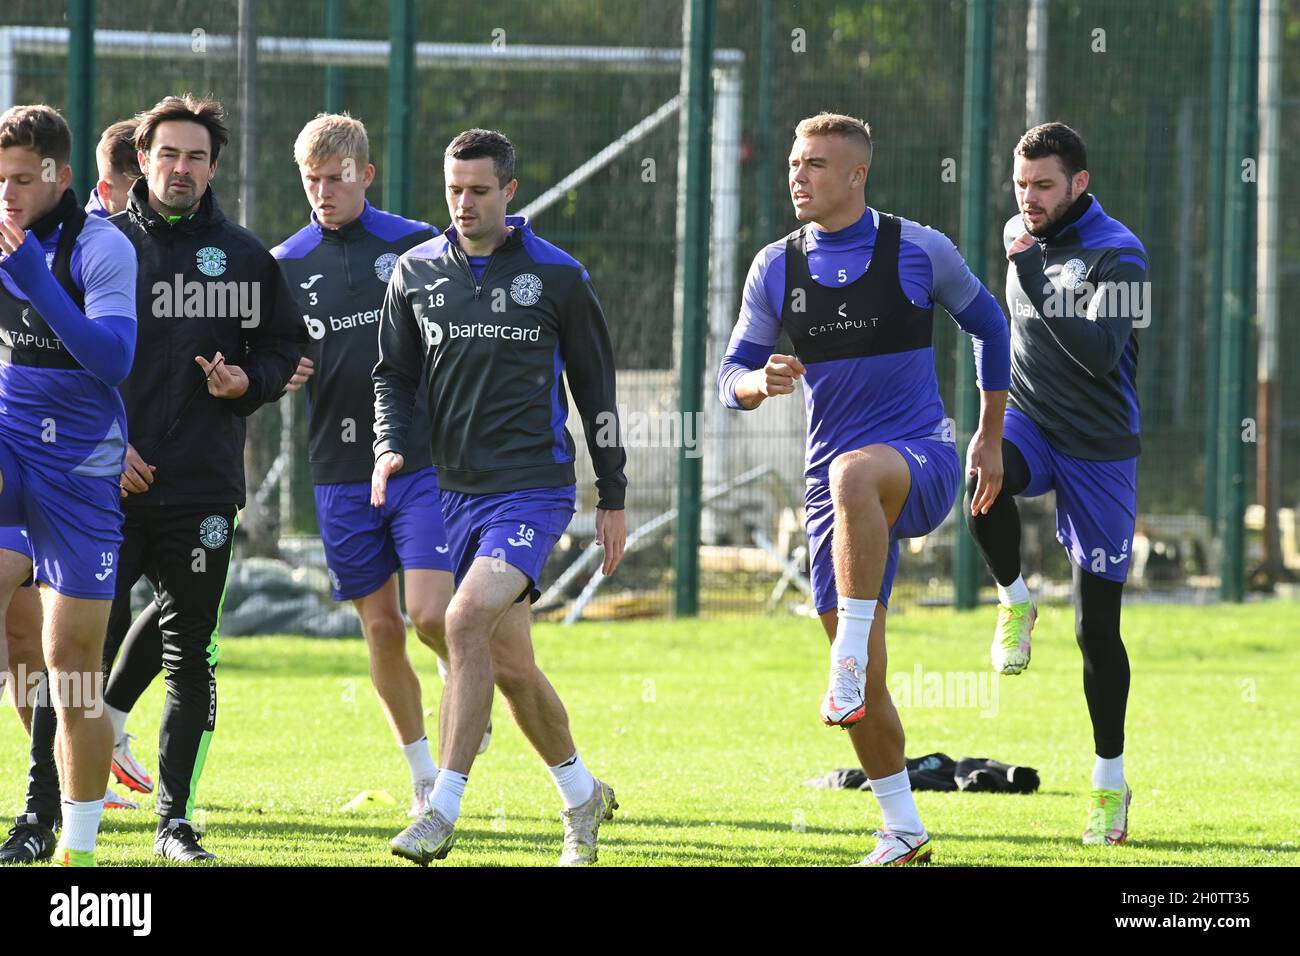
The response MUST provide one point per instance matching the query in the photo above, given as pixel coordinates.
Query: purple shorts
(517, 527)
(73, 524)
(936, 478)
(1096, 501)
(364, 545)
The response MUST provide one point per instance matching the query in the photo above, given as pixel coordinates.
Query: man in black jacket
(489, 319)
(219, 338)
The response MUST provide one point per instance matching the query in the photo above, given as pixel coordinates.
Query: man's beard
(182, 202)
(1053, 217)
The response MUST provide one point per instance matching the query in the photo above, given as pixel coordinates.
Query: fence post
(975, 169)
(81, 95)
(401, 90)
(333, 74)
(1237, 289)
(698, 27)
(1214, 193)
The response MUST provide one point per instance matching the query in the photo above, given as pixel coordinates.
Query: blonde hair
(330, 135)
(836, 124)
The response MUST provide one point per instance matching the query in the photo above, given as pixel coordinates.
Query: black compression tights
(1096, 604)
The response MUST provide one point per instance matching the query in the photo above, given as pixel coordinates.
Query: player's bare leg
(540, 714)
(428, 592)
(20, 616)
(484, 597)
(73, 644)
(395, 680)
(394, 677)
(878, 738)
(879, 741)
(535, 705)
(869, 487)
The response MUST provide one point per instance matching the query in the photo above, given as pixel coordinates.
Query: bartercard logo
(78, 909)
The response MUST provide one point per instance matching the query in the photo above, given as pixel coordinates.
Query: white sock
(443, 669)
(81, 823)
(1017, 592)
(1108, 773)
(894, 794)
(420, 760)
(447, 793)
(851, 632)
(118, 717)
(574, 781)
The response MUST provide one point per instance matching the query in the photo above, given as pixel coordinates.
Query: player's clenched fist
(779, 375)
(305, 370)
(1020, 245)
(386, 465)
(11, 236)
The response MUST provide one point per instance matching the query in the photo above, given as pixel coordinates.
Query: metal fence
(589, 92)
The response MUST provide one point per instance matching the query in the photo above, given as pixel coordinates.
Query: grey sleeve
(1095, 340)
(397, 373)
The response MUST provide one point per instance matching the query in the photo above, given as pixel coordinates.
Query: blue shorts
(517, 527)
(365, 545)
(936, 477)
(1096, 501)
(73, 524)
(14, 538)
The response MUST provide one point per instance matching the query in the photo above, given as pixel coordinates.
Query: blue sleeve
(986, 324)
(105, 344)
(758, 327)
(955, 288)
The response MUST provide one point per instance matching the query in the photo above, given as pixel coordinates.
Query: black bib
(25, 337)
(869, 316)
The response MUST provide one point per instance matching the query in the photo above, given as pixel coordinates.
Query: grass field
(707, 731)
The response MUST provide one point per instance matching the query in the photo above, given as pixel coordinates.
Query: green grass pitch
(707, 730)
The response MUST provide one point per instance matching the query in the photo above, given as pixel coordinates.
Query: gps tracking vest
(25, 338)
(870, 316)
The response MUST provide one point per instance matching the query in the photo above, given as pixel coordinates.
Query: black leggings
(1096, 604)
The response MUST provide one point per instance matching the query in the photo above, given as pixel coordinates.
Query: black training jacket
(496, 353)
(206, 285)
